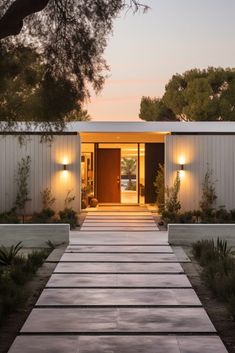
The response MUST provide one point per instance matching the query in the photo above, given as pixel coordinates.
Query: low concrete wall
(186, 234)
(33, 235)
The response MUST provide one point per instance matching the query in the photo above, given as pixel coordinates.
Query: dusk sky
(146, 50)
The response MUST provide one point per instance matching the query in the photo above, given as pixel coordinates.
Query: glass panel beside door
(128, 177)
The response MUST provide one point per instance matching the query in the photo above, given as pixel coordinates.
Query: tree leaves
(196, 95)
(29, 92)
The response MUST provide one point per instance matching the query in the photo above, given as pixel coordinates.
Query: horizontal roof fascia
(141, 126)
(154, 127)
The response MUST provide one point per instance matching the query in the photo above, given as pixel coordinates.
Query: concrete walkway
(119, 288)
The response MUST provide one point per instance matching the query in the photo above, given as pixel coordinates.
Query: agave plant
(223, 249)
(9, 255)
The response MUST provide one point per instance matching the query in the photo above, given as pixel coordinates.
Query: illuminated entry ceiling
(123, 137)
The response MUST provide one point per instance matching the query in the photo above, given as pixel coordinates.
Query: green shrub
(209, 197)
(9, 255)
(222, 215)
(231, 305)
(15, 271)
(170, 214)
(68, 215)
(48, 199)
(218, 269)
(160, 188)
(9, 217)
(186, 217)
(36, 259)
(22, 178)
(222, 248)
(12, 296)
(232, 214)
(20, 275)
(199, 247)
(45, 216)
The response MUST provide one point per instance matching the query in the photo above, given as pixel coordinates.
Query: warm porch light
(181, 166)
(181, 160)
(65, 163)
(181, 163)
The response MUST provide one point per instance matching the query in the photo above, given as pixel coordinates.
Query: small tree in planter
(23, 173)
(172, 203)
(209, 197)
(68, 215)
(47, 212)
(160, 189)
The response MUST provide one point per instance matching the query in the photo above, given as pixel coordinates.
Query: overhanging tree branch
(12, 21)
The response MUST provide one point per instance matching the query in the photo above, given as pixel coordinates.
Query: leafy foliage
(209, 196)
(29, 92)
(22, 183)
(196, 95)
(172, 203)
(15, 271)
(71, 36)
(47, 213)
(160, 189)
(48, 199)
(68, 215)
(9, 217)
(218, 269)
(8, 255)
(154, 109)
(45, 216)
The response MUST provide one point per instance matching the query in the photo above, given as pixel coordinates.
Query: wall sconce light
(181, 166)
(65, 166)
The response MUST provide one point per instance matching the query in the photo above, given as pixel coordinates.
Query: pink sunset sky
(146, 50)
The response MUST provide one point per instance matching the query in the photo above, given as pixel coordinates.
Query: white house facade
(117, 162)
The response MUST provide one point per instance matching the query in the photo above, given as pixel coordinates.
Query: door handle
(118, 179)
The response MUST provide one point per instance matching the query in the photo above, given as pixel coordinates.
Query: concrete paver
(118, 280)
(119, 287)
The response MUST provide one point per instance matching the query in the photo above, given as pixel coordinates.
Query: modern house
(117, 162)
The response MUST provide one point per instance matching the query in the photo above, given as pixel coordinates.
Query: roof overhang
(152, 127)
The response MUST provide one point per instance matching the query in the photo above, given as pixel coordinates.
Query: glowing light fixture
(181, 163)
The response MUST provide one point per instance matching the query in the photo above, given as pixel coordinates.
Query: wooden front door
(108, 175)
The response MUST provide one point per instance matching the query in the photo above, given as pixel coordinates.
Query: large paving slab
(122, 238)
(121, 320)
(119, 288)
(118, 297)
(117, 344)
(121, 267)
(120, 248)
(120, 228)
(132, 221)
(118, 280)
(117, 257)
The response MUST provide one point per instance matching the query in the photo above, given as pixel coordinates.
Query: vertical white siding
(200, 152)
(46, 169)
